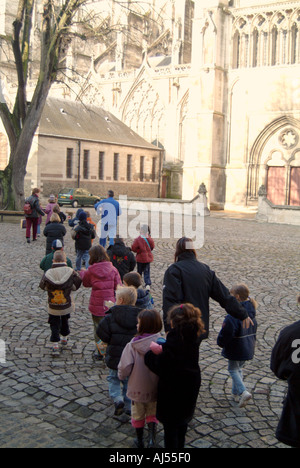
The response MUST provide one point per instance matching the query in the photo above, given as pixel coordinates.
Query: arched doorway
(275, 163)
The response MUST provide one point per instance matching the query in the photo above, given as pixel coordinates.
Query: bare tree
(60, 22)
(22, 120)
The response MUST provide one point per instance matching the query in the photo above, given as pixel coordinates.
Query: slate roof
(74, 120)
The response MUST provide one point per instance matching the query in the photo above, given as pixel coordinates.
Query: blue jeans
(235, 369)
(117, 393)
(82, 255)
(110, 232)
(144, 268)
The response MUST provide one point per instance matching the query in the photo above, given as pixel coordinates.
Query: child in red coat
(143, 246)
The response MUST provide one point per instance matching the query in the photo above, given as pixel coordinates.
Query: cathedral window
(255, 48)
(236, 50)
(295, 44)
(274, 49)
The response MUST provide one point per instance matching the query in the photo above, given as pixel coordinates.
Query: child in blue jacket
(238, 343)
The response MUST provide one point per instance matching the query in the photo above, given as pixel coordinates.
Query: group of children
(152, 376)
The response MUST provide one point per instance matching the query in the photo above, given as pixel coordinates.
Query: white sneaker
(245, 397)
(55, 351)
(64, 341)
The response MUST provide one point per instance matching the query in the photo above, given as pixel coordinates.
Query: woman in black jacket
(188, 280)
(54, 230)
(285, 363)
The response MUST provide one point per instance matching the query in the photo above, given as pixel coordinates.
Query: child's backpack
(27, 208)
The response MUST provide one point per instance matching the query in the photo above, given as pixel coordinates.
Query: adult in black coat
(54, 230)
(285, 363)
(188, 280)
(121, 257)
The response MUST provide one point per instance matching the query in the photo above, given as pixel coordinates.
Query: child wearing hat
(49, 208)
(83, 234)
(47, 261)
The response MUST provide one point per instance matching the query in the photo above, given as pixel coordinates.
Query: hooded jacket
(238, 343)
(103, 278)
(59, 282)
(74, 221)
(142, 384)
(144, 299)
(117, 329)
(121, 257)
(85, 232)
(143, 247)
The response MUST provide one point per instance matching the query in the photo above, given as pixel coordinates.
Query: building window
(236, 50)
(142, 164)
(129, 167)
(295, 40)
(116, 166)
(255, 48)
(101, 165)
(86, 160)
(69, 164)
(154, 164)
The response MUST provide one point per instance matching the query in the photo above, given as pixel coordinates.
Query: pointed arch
(257, 151)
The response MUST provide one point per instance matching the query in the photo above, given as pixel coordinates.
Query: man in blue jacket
(110, 210)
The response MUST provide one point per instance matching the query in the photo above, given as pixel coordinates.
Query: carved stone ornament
(289, 138)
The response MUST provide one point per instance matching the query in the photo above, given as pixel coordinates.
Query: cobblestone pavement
(63, 401)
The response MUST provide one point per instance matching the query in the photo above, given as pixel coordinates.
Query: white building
(215, 84)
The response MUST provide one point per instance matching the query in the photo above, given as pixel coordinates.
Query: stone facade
(214, 84)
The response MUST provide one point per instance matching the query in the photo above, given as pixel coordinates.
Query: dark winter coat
(59, 282)
(143, 248)
(144, 299)
(85, 232)
(179, 377)
(74, 221)
(53, 231)
(117, 329)
(47, 262)
(35, 205)
(285, 363)
(238, 343)
(121, 257)
(191, 281)
(104, 279)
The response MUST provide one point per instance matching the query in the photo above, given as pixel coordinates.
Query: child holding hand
(142, 383)
(238, 343)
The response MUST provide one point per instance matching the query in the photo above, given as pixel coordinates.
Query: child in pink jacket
(142, 384)
(103, 278)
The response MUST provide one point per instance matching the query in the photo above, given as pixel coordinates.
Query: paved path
(63, 402)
